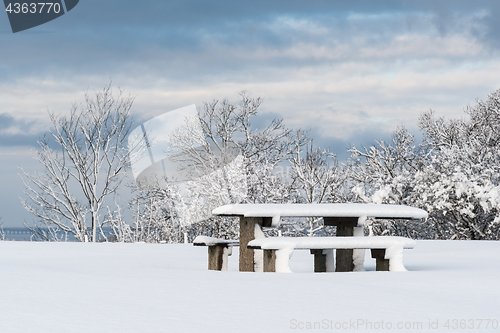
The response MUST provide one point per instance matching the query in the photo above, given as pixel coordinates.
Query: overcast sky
(352, 71)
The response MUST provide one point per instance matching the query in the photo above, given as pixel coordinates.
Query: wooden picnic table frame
(345, 217)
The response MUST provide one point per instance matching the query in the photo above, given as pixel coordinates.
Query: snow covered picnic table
(347, 217)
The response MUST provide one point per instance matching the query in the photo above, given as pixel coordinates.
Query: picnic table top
(359, 210)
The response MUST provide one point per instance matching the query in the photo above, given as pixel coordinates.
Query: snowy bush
(385, 174)
(454, 174)
(460, 185)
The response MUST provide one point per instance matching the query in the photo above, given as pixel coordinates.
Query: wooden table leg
(345, 228)
(269, 260)
(247, 233)
(344, 258)
(382, 263)
(319, 260)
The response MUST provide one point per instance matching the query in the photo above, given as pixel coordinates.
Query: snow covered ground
(77, 287)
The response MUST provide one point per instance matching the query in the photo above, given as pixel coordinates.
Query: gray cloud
(178, 45)
(5, 121)
(114, 35)
(17, 132)
(16, 140)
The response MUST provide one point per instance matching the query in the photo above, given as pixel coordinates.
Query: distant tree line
(453, 174)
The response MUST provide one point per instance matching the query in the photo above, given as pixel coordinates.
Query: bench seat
(218, 251)
(388, 250)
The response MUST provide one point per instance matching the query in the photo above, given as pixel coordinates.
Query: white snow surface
(276, 211)
(116, 287)
(208, 241)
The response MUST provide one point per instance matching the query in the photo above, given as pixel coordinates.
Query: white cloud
(376, 70)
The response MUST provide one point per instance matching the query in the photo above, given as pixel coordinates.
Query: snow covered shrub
(460, 187)
(385, 174)
(156, 217)
(217, 226)
(461, 205)
(454, 174)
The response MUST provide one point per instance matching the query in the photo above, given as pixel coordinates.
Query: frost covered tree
(316, 178)
(460, 187)
(385, 174)
(227, 132)
(230, 161)
(454, 174)
(84, 160)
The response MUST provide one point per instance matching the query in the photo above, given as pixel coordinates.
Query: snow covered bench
(388, 250)
(218, 251)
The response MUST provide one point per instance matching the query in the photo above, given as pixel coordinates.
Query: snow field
(116, 287)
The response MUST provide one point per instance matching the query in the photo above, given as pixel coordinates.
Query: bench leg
(319, 260)
(215, 257)
(269, 261)
(382, 263)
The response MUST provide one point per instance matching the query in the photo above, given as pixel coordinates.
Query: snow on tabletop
(276, 211)
(209, 241)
